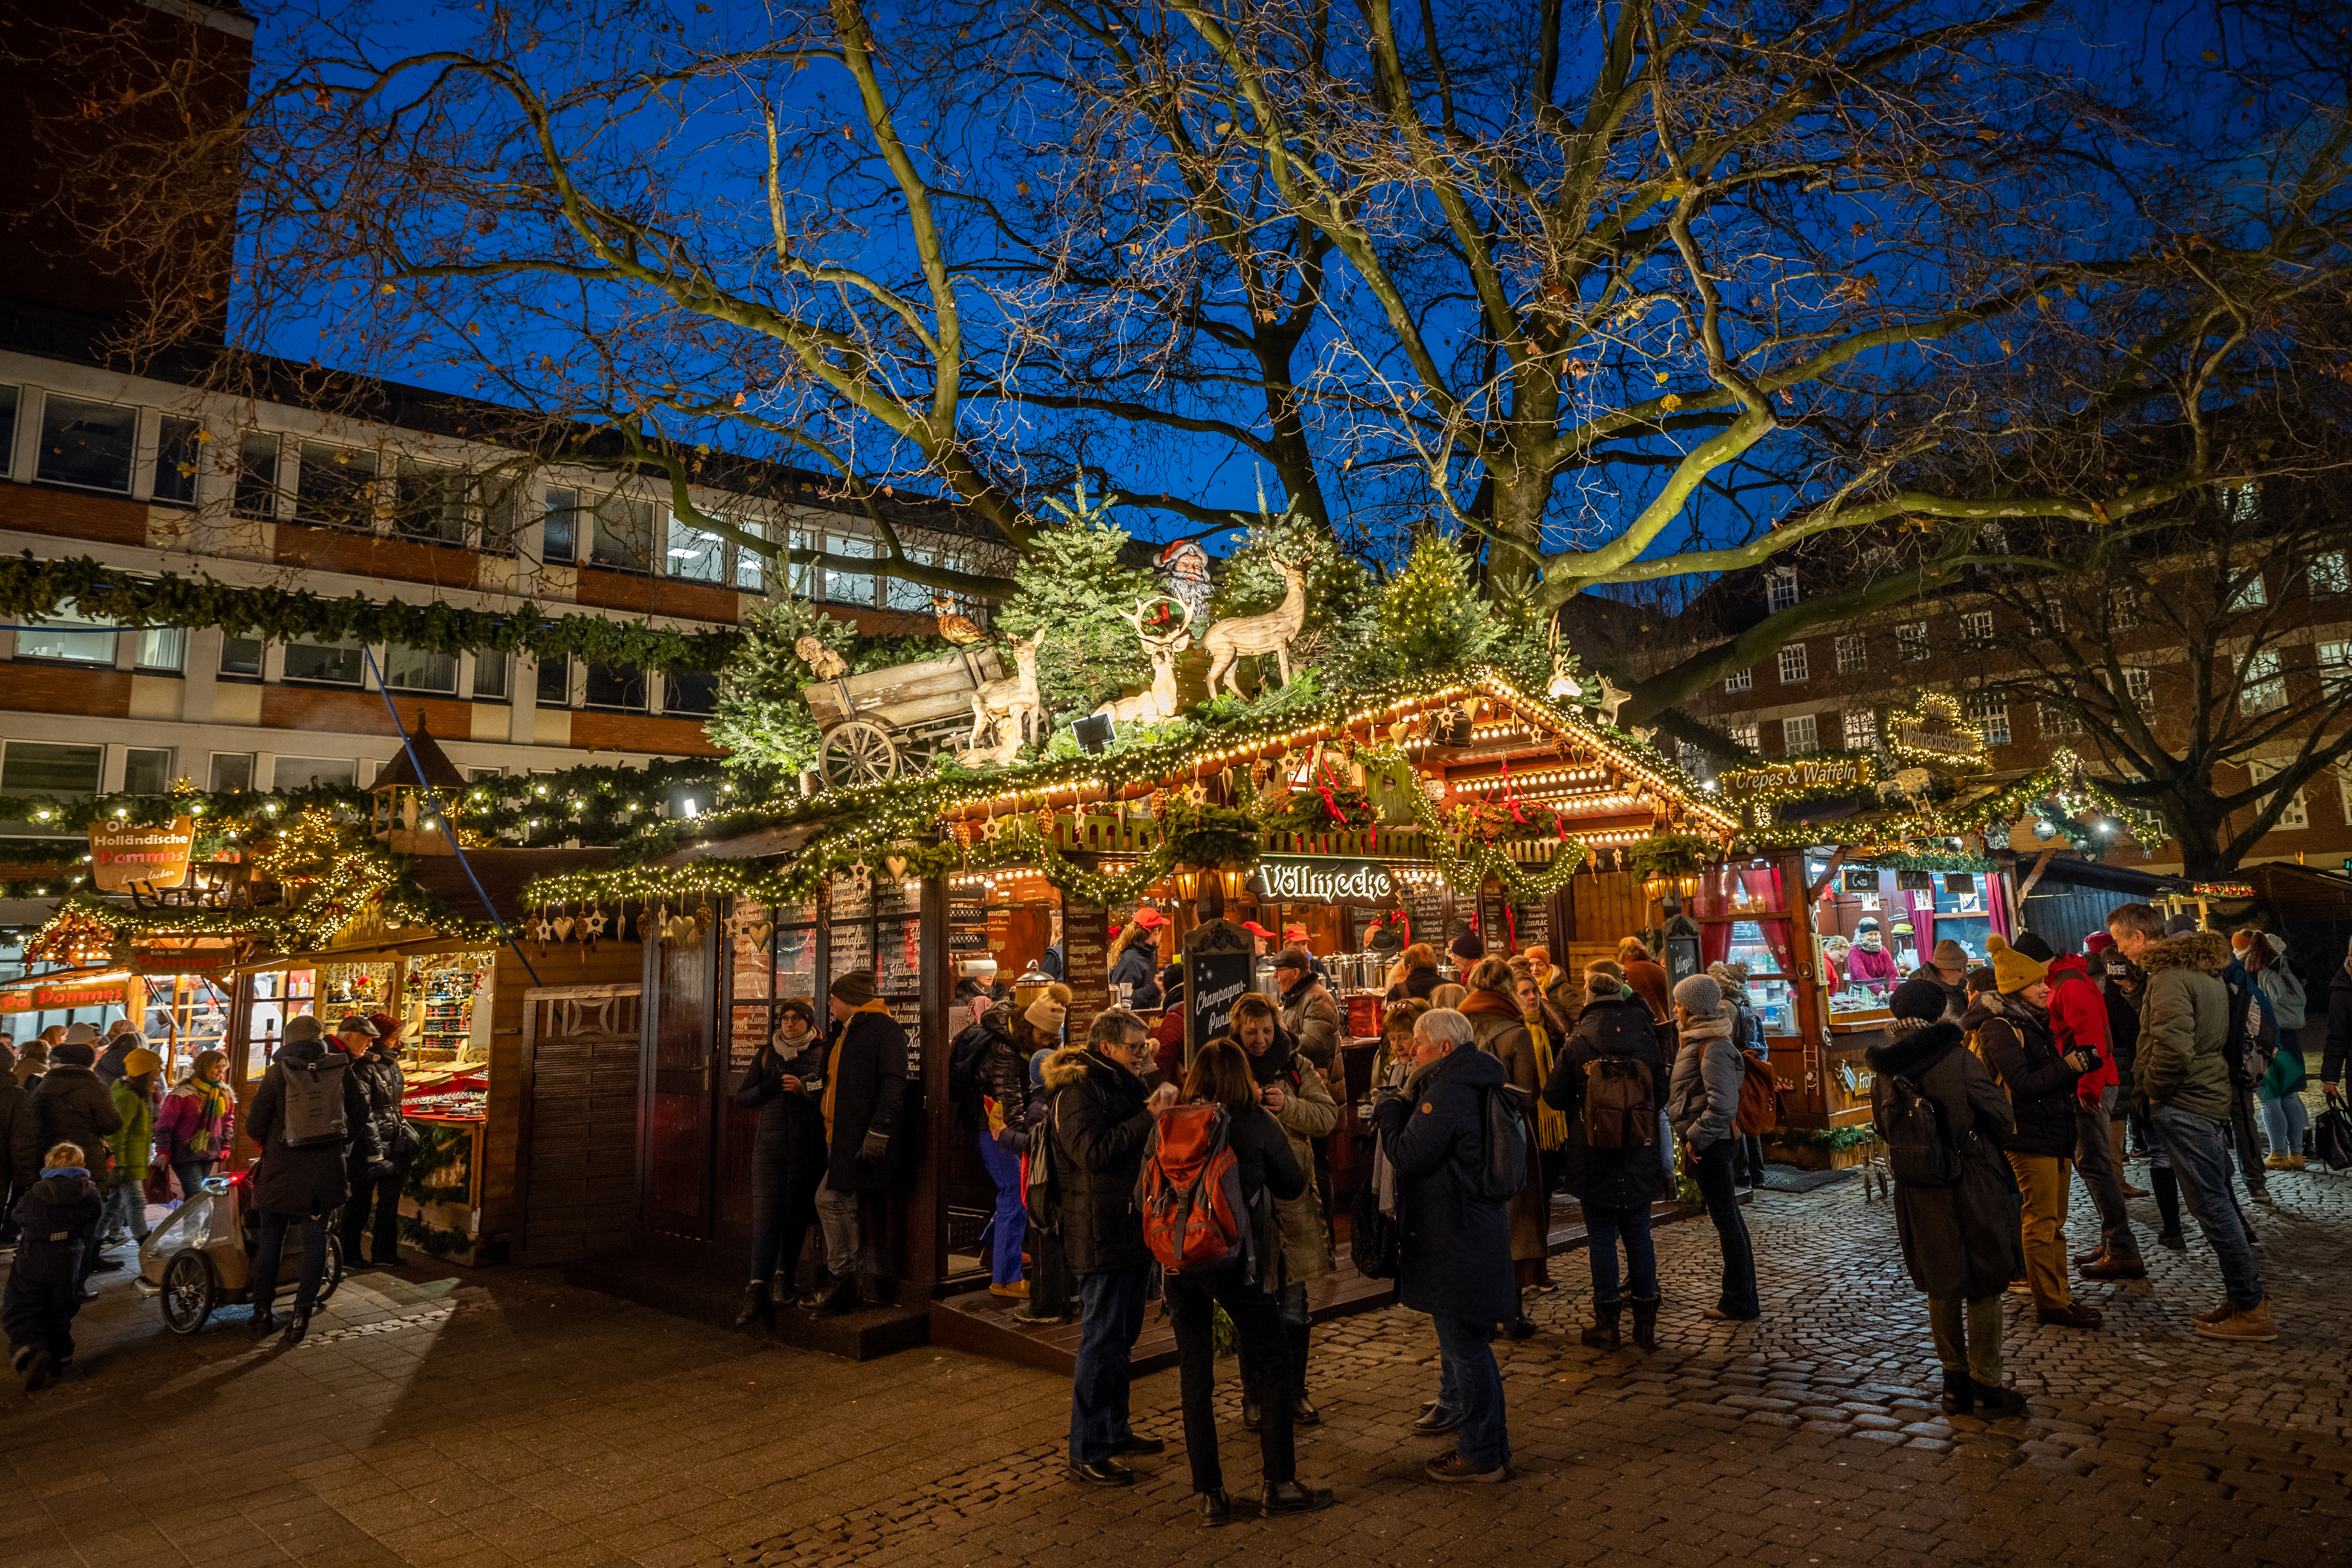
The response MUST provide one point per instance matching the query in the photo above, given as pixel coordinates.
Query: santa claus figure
(1868, 963)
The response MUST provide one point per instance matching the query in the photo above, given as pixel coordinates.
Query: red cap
(1294, 933)
(1257, 929)
(1149, 918)
(2097, 942)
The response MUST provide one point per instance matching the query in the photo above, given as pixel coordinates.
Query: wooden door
(681, 1086)
(580, 1062)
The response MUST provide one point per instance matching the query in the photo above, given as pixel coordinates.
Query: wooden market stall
(1450, 804)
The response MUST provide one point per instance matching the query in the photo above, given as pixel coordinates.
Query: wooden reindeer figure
(1269, 633)
(1156, 701)
(1014, 699)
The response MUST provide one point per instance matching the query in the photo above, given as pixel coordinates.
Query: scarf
(832, 1061)
(1490, 1003)
(212, 1104)
(1551, 1126)
(1705, 1030)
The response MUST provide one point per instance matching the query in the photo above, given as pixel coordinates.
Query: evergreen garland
(32, 590)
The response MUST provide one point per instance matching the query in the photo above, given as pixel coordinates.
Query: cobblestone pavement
(502, 1417)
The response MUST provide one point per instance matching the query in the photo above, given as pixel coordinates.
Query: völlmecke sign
(1323, 879)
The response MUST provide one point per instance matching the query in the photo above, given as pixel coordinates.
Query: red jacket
(2078, 1017)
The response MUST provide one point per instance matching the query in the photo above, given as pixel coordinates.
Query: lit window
(1993, 539)
(2296, 812)
(419, 669)
(2241, 503)
(316, 773)
(1739, 680)
(2058, 720)
(2049, 620)
(1861, 728)
(1798, 734)
(1792, 664)
(490, 675)
(1746, 736)
(87, 444)
(2252, 596)
(2139, 687)
(55, 636)
(1990, 714)
(1976, 629)
(1779, 591)
(849, 587)
(1852, 654)
(751, 566)
(2336, 669)
(912, 597)
(231, 770)
(2123, 609)
(2327, 574)
(2265, 690)
(162, 647)
(1911, 642)
(694, 554)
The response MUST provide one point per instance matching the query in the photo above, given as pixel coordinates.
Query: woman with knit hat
(1704, 1106)
(2018, 1044)
(1959, 1241)
(1001, 1074)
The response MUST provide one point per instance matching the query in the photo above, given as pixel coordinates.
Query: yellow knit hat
(2011, 970)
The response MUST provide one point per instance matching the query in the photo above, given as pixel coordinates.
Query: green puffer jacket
(132, 1144)
(2184, 1016)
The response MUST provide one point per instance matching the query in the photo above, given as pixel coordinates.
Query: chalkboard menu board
(1425, 906)
(1219, 962)
(1533, 925)
(1085, 960)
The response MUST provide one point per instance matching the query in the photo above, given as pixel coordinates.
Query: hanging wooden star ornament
(595, 924)
(992, 829)
(544, 930)
(861, 876)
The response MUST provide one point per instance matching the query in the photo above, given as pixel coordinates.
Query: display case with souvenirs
(442, 1001)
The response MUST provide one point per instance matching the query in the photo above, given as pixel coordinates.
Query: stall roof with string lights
(1502, 779)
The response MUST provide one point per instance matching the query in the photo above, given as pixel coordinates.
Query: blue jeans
(1469, 1381)
(2198, 1147)
(1713, 1173)
(190, 1173)
(1010, 1228)
(1112, 1305)
(1604, 1223)
(272, 1248)
(2284, 1119)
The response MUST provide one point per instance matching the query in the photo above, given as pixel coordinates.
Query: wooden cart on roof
(876, 724)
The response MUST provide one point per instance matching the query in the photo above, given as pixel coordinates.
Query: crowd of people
(92, 1135)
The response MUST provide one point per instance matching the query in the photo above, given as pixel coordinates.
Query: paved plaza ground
(486, 1419)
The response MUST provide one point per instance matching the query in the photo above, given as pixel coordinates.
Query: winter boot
(1994, 1402)
(1602, 1334)
(755, 1304)
(834, 1295)
(1960, 1394)
(1645, 1322)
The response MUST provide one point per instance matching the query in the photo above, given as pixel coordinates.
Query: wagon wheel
(856, 752)
(189, 1293)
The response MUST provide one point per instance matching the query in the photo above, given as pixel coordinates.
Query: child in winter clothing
(44, 1283)
(131, 1146)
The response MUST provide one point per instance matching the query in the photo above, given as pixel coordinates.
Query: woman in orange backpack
(1220, 1075)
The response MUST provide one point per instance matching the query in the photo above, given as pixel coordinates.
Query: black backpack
(1919, 1151)
(2251, 1039)
(1620, 1108)
(1504, 1170)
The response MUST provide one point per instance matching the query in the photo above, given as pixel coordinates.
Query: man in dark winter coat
(375, 1185)
(783, 1084)
(865, 1091)
(1959, 1241)
(1101, 1123)
(70, 1106)
(1616, 1184)
(1454, 1259)
(2339, 1029)
(2183, 1073)
(121, 1039)
(301, 1183)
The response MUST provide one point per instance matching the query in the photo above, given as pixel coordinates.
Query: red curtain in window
(1923, 922)
(1776, 937)
(1713, 942)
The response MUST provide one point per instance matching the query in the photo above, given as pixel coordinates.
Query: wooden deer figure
(1156, 701)
(1013, 699)
(1269, 633)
